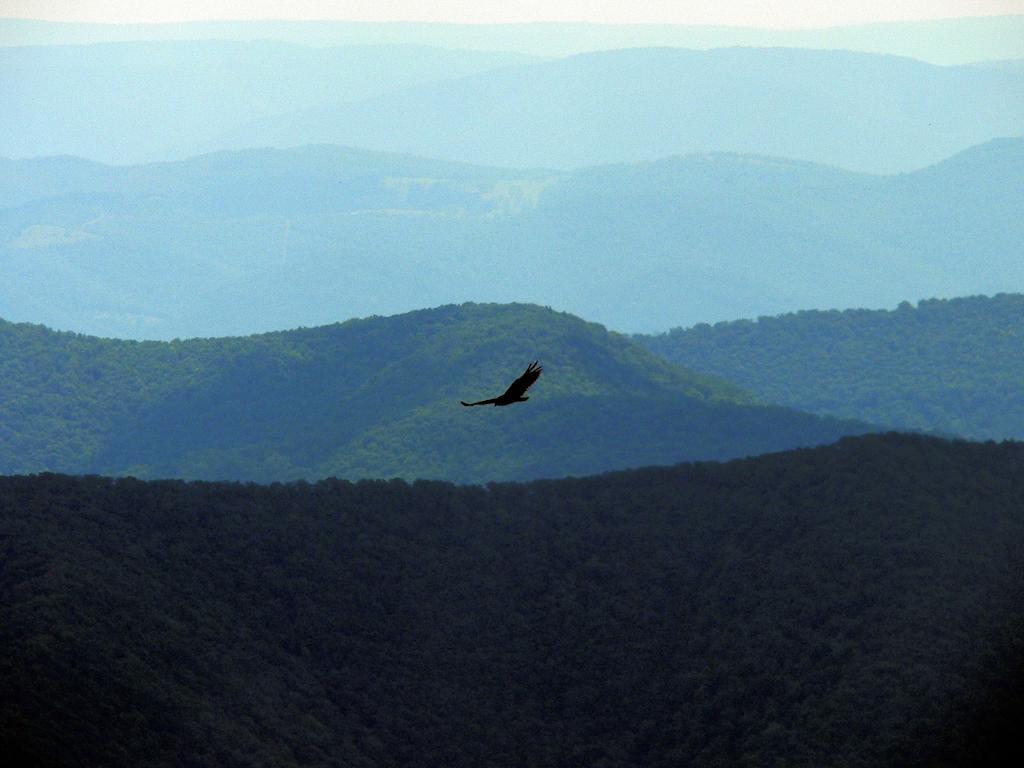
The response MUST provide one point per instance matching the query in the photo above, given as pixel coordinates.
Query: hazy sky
(773, 13)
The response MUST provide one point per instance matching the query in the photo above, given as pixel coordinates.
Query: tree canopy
(851, 605)
(373, 398)
(946, 365)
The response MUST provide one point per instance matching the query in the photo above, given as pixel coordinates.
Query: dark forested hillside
(853, 605)
(955, 366)
(373, 398)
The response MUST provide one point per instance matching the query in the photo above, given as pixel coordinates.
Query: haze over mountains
(942, 41)
(236, 243)
(862, 112)
(144, 101)
(147, 101)
(232, 244)
(854, 603)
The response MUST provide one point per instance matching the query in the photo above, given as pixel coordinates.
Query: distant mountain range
(942, 41)
(373, 398)
(858, 111)
(953, 366)
(234, 243)
(149, 101)
(296, 548)
(143, 101)
(852, 605)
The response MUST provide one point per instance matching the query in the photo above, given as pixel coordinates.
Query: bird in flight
(516, 392)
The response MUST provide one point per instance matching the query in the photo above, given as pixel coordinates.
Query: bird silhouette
(516, 392)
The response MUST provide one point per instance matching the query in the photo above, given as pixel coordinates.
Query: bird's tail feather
(479, 402)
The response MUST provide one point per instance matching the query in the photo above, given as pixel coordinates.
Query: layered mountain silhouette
(160, 100)
(138, 101)
(373, 398)
(223, 546)
(234, 243)
(940, 41)
(857, 111)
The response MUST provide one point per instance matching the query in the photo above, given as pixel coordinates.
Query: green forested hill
(856, 605)
(373, 398)
(955, 366)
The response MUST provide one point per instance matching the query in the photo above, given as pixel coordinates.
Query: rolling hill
(142, 101)
(373, 398)
(954, 366)
(237, 243)
(863, 112)
(854, 605)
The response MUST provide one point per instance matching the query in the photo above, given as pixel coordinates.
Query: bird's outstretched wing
(518, 387)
